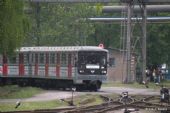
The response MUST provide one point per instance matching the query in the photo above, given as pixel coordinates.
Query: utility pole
(128, 48)
(144, 19)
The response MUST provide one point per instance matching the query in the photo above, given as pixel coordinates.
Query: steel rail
(137, 19)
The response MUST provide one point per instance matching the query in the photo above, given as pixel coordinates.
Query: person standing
(154, 75)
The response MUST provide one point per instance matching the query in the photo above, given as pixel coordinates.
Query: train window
(36, 58)
(69, 59)
(21, 58)
(41, 58)
(58, 58)
(52, 58)
(32, 58)
(92, 60)
(47, 58)
(63, 59)
(27, 58)
(73, 59)
(5, 59)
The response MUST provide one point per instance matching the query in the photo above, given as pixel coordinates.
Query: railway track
(111, 105)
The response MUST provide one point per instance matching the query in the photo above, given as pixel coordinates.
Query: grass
(78, 101)
(14, 91)
(31, 106)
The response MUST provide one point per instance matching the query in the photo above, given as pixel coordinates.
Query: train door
(64, 65)
(41, 66)
(28, 63)
(52, 64)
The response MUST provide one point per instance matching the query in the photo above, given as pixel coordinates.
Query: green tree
(108, 34)
(61, 24)
(13, 25)
(158, 43)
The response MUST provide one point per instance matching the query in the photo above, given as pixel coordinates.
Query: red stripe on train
(69, 71)
(58, 71)
(21, 69)
(5, 70)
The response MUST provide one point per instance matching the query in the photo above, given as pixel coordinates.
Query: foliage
(108, 34)
(158, 43)
(13, 25)
(61, 24)
(65, 24)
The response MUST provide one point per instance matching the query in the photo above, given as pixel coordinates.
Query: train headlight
(92, 71)
(81, 71)
(104, 72)
(102, 67)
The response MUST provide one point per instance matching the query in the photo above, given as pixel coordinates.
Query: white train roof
(62, 48)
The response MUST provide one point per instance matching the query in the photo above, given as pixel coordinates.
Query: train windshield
(94, 60)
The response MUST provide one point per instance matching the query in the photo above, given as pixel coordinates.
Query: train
(82, 67)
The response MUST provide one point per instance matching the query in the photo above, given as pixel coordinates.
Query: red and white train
(83, 67)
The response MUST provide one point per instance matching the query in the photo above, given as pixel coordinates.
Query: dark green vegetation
(49, 24)
(158, 42)
(13, 25)
(13, 91)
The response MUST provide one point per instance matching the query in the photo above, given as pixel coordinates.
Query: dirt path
(137, 91)
(56, 94)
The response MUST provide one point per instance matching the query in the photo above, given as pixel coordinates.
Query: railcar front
(92, 67)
